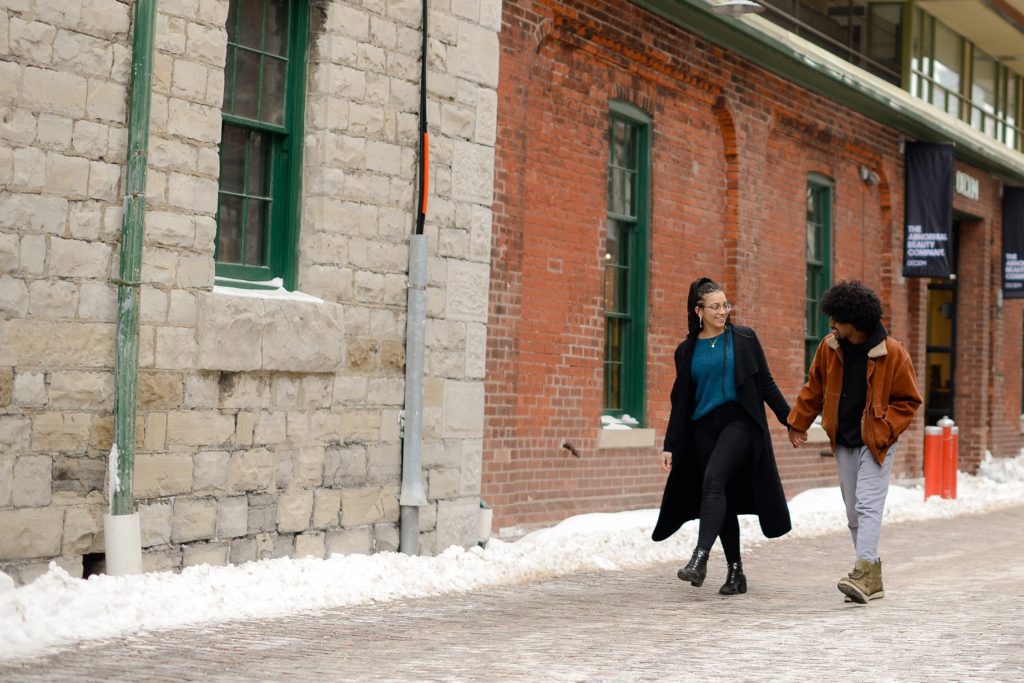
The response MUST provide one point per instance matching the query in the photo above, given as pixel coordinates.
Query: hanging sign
(928, 209)
(1013, 243)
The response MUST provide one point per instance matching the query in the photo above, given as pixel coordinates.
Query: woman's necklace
(715, 340)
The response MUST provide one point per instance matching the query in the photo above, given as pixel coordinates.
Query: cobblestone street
(953, 611)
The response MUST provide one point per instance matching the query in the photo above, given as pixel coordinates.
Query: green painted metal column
(121, 557)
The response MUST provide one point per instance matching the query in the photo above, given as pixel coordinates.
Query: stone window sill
(240, 330)
(625, 438)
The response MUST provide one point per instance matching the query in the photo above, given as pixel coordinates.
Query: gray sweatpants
(864, 484)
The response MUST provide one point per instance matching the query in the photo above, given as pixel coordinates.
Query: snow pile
(57, 609)
(624, 422)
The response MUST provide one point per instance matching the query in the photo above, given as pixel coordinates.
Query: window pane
(613, 386)
(259, 162)
(885, 35)
(276, 39)
(229, 221)
(256, 225)
(247, 75)
(232, 159)
(231, 24)
(1012, 103)
(272, 109)
(618, 152)
(620, 192)
(948, 64)
(613, 364)
(251, 15)
(983, 93)
(923, 54)
(868, 34)
(813, 249)
(623, 153)
(616, 273)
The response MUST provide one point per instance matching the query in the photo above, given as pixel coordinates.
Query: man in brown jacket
(862, 383)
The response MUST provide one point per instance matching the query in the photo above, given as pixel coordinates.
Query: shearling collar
(876, 351)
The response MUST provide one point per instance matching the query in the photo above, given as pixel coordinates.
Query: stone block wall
(267, 426)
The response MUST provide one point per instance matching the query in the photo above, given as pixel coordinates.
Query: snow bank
(57, 609)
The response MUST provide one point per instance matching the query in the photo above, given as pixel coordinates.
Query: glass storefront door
(940, 352)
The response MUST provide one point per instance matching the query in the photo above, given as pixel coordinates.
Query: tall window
(868, 34)
(625, 276)
(963, 80)
(261, 142)
(819, 261)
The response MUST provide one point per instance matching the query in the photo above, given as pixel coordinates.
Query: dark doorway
(940, 362)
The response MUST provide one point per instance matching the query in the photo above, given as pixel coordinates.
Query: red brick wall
(732, 147)
(988, 371)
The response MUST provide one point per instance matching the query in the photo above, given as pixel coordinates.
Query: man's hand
(666, 461)
(797, 438)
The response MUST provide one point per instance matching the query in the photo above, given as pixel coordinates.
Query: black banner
(1013, 242)
(928, 220)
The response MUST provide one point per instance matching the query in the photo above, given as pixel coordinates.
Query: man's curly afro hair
(852, 302)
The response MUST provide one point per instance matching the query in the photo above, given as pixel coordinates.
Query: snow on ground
(58, 610)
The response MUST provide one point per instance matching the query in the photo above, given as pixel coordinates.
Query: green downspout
(126, 363)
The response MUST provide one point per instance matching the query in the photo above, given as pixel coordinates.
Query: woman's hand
(797, 438)
(666, 461)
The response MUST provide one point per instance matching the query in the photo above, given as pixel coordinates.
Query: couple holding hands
(718, 450)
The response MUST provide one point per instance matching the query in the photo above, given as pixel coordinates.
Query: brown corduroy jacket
(892, 394)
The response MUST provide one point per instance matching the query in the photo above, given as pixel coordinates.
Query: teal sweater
(713, 370)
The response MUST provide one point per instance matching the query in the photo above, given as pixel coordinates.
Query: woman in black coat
(718, 451)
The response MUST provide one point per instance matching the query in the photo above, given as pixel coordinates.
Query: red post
(954, 463)
(932, 461)
(948, 467)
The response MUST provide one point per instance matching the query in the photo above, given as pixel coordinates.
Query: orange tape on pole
(425, 190)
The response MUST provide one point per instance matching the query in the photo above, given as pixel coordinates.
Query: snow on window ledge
(271, 289)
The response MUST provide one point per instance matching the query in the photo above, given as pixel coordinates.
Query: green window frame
(819, 262)
(625, 262)
(258, 208)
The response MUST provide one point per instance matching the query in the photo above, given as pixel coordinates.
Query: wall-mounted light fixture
(868, 176)
(737, 8)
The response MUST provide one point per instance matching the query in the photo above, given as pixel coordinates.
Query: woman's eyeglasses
(718, 307)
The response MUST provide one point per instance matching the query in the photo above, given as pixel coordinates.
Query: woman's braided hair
(699, 289)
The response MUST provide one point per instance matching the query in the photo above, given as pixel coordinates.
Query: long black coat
(759, 491)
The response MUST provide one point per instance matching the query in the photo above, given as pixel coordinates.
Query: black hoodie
(855, 387)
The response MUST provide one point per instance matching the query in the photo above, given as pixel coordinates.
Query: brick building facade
(268, 422)
(734, 147)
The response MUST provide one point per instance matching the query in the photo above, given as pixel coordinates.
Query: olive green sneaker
(864, 583)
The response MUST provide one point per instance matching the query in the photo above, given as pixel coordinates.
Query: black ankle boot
(735, 580)
(696, 569)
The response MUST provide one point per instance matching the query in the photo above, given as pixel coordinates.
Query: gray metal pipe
(413, 496)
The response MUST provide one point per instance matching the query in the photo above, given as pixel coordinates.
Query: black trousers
(722, 442)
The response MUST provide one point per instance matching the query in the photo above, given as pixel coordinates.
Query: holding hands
(796, 437)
